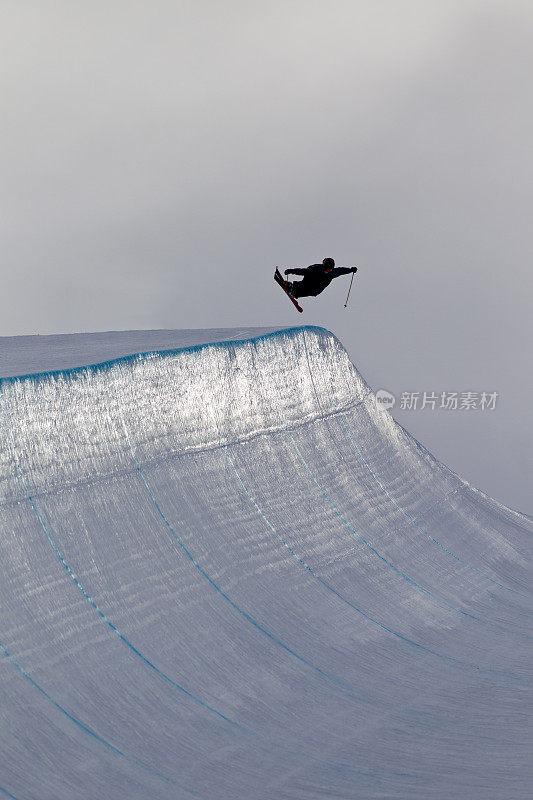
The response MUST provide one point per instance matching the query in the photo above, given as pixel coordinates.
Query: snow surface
(226, 573)
(23, 355)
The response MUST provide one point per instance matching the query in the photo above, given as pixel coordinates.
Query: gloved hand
(354, 269)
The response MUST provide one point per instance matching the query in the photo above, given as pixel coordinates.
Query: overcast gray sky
(158, 159)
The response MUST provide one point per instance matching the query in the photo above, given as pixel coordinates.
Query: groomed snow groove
(226, 573)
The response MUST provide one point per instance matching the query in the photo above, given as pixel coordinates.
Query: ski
(279, 279)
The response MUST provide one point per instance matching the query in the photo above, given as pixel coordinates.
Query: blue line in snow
(146, 354)
(341, 597)
(13, 797)
(399, 507)
(337, 681)
(389, 563)
(413, 521)
(86, 729)
(108, 622)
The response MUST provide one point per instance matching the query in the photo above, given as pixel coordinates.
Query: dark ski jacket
(316, 278)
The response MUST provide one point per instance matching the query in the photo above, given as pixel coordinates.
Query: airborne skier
(315, 279)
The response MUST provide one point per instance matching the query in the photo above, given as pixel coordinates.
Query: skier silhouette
(316, 278)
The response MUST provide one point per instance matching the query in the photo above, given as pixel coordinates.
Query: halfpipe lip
(107, 363)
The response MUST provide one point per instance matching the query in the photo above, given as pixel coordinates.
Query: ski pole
(349, 290)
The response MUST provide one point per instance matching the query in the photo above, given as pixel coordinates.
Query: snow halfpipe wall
(226, 573)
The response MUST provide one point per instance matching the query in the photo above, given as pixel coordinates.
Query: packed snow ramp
(226, 574)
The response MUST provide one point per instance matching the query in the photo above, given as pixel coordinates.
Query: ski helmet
(328, 263)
